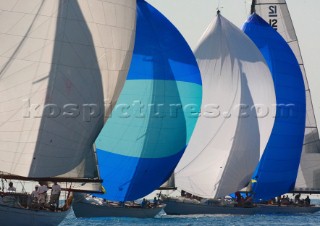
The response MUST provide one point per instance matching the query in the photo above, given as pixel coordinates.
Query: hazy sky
(192, 17)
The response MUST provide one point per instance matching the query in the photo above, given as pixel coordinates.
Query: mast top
(253, 6)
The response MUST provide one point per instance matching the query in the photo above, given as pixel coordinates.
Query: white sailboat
(277, 15)
(62, 64)
(230, 79)
(224, 151)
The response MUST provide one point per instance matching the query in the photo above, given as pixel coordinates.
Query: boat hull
(182, 208)
(29, 217)
(86, 210)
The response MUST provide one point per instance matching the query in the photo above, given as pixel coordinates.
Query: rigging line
(9, 62)
(306, 82)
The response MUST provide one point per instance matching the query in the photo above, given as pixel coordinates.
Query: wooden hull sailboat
(277, 14)
(223, 152)
(28, 217)
(18, 209)
(134, 150)
(86, 208)
(277, 170)
(51, 55)
(180, 207)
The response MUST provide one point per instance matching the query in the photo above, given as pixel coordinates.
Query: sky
(191, 17)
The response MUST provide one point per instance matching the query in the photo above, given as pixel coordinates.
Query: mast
(253, 6)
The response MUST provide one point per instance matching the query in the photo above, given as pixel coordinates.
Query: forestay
(59, 59)
(234, 127)
(276, 13)
(155, 115)
(278, 167)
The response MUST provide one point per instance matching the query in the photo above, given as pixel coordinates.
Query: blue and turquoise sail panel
(150, 127)
(277, 170)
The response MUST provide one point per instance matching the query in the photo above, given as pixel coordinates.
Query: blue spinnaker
(143, 140)
(277, 170)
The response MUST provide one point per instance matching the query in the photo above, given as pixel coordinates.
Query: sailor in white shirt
(55, 194)
(34, 197)
(42, 190)
(35, 194)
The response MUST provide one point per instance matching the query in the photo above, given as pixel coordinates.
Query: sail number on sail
(273, 21)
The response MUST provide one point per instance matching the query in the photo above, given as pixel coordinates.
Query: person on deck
(155, 202)
(307, 201)
(144, 203)
(35, 194)
(239, 199)
(284, 200)
(297, 198)
(248, 202)
(55, 194)
(11, 188)
(42, 193)
(279, 200)
(34, 198)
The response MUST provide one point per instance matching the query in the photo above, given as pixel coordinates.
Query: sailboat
(272, 179)
(277, 170)
(278, 15)
(285, 180)
(224, 150)
(56, 68)
(143, 140)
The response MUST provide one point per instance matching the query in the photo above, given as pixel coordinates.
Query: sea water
(201, 220)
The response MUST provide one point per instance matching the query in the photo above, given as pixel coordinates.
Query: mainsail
(142, 142)
(59, 60)
(278, 167)
(276, 13)
(234, 127)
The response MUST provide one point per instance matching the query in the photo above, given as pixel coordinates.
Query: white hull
(27, 217)
(86, 210)
(182, 208)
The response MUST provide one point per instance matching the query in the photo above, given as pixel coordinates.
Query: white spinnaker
(277, 14)
(71, 55)
(224, 151)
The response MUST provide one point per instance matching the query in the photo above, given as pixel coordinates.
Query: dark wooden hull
(183, 208)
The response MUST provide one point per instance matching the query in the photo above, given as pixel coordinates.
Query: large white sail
(59, 61)
(276, 13)
(225, 149)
